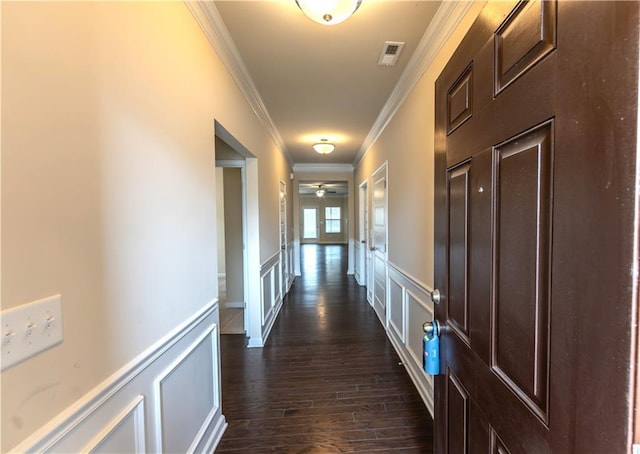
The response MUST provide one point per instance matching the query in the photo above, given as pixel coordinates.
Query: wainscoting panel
(277, 285)
(292, 262)
(267, 296)
(271, 293)
(165, 400)
(410, 305)
(419, 312)
(187, 395)
(125, 433)
(396, 308)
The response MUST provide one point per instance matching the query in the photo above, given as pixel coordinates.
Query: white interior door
(362, 244)
(379, 238)
(367, 248)
(284, 256)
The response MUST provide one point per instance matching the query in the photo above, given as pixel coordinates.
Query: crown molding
(322, 168)
(211, 23)
(440, 29)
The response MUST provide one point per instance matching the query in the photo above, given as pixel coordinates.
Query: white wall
(407, 145)
(108, 186)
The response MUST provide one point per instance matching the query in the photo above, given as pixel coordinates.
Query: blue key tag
(431, 349)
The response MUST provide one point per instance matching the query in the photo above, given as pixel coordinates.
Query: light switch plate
(29, 329)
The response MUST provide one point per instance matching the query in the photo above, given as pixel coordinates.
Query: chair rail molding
(112, 415)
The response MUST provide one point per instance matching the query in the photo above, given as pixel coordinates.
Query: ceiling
(317, 81)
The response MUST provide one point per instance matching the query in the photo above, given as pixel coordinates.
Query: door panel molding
(457, 415)
(458, 194)
(460, 100)
(523, 201)
(526, 37)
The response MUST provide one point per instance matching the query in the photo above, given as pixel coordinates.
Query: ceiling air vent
(390, 53)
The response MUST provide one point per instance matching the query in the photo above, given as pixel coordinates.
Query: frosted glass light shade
(328, 12)
(324, 147)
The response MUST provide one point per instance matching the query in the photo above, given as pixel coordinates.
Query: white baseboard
(217, 431)
(255, 343)
(422, 382)
(233, 305)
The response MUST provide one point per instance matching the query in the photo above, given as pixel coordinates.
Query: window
(309, 223)
(332, 219)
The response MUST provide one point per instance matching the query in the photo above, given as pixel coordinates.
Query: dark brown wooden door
(536, 122)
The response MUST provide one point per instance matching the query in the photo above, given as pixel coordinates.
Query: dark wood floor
(328, 379)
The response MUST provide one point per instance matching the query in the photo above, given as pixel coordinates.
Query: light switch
(29, 329)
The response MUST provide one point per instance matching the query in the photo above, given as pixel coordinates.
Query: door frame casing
(241, 164)
(285, 266)
(251, 221)
(304, 240)
(379, 174)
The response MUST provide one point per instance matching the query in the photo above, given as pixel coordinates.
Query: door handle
(431, 347)
(373, 248)
(430, 327)
(283, 248)
(363, 241)
(435, 295)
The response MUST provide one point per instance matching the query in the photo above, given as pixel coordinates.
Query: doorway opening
(364, 254)
(238, 257)
(324, 208)
(310, 223)
(231, 232)
(230, 221)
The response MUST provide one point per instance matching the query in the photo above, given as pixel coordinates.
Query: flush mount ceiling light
(324, 147)
(328, 12)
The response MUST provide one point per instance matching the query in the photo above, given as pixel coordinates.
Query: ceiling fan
(322, 191)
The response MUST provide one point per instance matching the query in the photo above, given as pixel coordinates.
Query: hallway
(328, 379)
